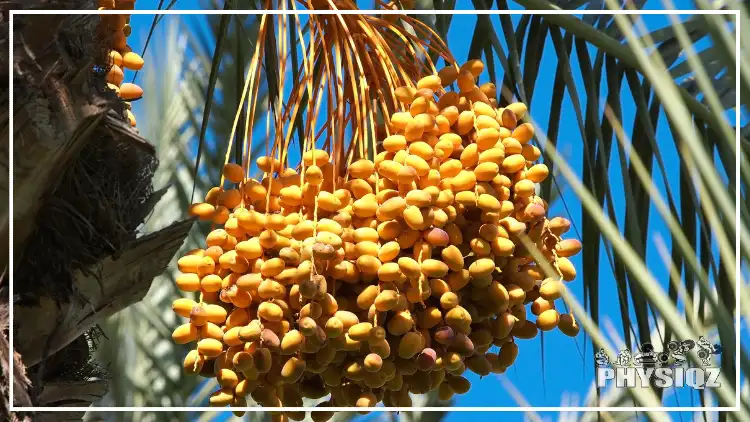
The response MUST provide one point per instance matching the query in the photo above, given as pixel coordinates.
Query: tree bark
(44, 145)
(58, 107)
(105, 289)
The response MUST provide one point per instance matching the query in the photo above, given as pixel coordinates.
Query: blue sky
(567, 370)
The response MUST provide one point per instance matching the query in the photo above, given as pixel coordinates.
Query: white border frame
(735, 408)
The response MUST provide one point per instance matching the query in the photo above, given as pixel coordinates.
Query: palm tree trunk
(81, 187)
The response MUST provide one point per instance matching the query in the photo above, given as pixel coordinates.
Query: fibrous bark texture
(81, 189)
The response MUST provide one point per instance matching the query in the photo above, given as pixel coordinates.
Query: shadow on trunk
(82, 186)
